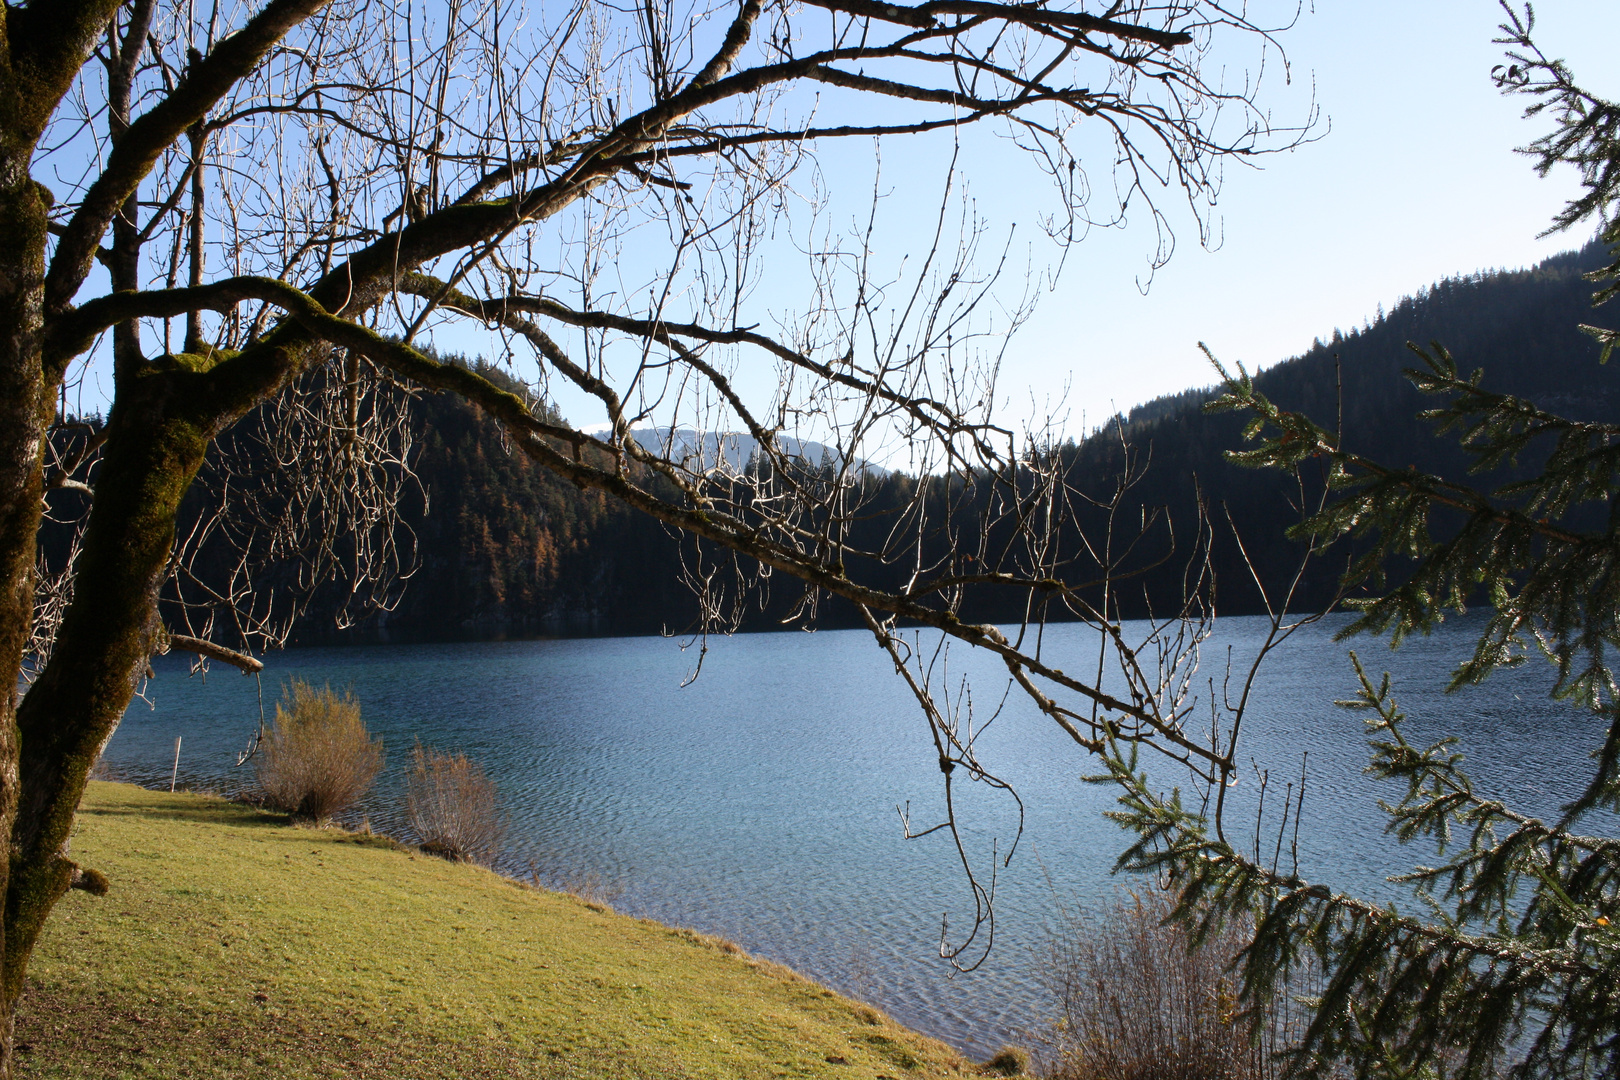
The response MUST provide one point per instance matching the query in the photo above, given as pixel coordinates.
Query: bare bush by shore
(318, 759)
(452, 807)
(1136, 1000)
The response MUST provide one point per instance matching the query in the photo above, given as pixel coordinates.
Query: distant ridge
(503, 546)
(703, 452)
(1513, 322)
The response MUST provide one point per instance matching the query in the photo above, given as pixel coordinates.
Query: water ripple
(760, 802)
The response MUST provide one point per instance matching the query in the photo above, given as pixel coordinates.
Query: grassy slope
(233, 945)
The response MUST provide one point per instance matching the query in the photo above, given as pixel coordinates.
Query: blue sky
(1415, 180)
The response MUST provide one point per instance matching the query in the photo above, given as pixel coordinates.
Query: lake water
(759, 802)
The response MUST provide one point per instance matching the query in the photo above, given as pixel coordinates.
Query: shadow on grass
(67, 1031)
(183, 806)
(179, 806)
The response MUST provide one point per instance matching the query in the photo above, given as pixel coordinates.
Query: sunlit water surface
(760, 801)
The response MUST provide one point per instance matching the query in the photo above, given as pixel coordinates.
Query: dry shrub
(709, 941)
(318, 759)
(452, 807)
(1008, 1061)
(1137, 1002)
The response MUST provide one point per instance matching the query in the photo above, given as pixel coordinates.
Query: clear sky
(1413, 178)
(1416, 180)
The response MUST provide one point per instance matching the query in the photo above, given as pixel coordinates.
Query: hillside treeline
(495, 545)
(1521, 328)
(507, 547)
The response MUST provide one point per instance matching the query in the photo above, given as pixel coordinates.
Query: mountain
(502, 546)
(1520, 327)
(507, 548)
(706, 451)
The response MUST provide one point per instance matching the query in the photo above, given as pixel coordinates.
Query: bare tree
(262, 217)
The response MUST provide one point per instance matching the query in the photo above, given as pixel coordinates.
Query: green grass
(233, 945)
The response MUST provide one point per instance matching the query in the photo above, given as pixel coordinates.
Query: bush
(452, 807)
(1137, 1001)
(318, 758)
(1009, 1061)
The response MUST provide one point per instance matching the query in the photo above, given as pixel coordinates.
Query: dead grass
(1136, 1001)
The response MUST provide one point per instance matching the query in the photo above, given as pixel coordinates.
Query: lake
(760, 801)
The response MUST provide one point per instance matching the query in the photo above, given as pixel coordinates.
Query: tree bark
(101, 650)
(43, 47)
(25, 413)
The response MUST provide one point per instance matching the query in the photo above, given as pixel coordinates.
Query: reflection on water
(760, 801)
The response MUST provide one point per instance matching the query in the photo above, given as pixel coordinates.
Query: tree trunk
(25, 413)
(50, 737)
(29, 90)
(101, 650)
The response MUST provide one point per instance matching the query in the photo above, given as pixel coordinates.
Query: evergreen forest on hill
(1520, 328)
(507, 548)
(503, 547)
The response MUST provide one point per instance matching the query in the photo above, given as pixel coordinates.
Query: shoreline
(353, 955)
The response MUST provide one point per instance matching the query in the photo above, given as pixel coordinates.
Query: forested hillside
(1519, 327)
(500, 546)
(505, 547)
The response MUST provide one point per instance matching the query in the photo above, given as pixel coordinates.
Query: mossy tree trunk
(159, 432)
(41, 52)
(25, 402)
(101, 650)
